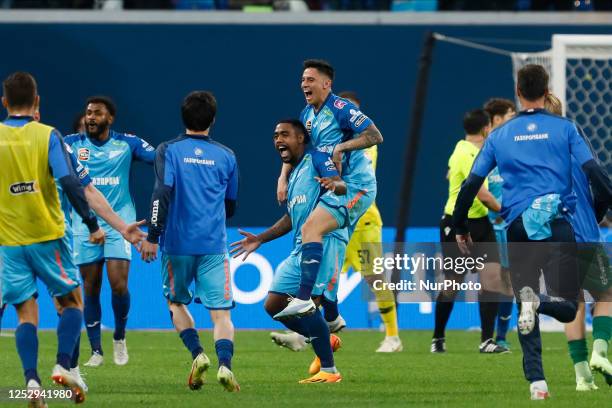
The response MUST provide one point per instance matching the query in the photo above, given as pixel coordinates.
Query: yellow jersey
(459, 166)
(30, 210)
(372, 216)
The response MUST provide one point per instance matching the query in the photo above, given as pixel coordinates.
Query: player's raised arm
(251, 242)
(62, 170)
(160, 201)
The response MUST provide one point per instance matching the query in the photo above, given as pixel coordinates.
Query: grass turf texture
(159, 366)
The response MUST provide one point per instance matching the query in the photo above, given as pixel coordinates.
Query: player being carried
(312, 173)
(195, 191)
(337, 127)
(108, 155)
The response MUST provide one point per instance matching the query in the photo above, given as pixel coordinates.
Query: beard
(97, 130)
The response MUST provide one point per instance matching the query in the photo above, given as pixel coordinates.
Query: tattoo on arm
(369, 137)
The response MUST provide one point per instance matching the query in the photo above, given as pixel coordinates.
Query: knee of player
(310, 231)
(272, 306)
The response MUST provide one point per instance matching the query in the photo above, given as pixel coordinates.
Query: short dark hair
(475, 120)
(350, 95)
(198, 110)
(532, 82)
(299, 127)
(320, 65)
(104, 100)
(19, 89)
(76, 122)
(499, 106)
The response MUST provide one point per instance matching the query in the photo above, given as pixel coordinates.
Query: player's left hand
(133, 234)
(97, 237)
(337, 158)
(327, 183)
(148, 251)
(464, 242)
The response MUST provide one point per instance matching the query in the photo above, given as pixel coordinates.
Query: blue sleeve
(141, 149)
(231, 193)
(58, 157)
(61, 166)
(485, 161)
(350, 117)
(324, 164)
(578, 145)
(81, 171)
(160, 200)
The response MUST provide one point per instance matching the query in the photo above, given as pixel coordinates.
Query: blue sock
(93, 318)
(76, 353)
(68, 330)
(330, 309)
(191, 340)
(225, 352)
(504, 314)
(121, 308)
(318, 332)
(312, 252)
(27, 348)
(562, 310)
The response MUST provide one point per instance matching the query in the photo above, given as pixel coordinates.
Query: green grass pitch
(159, 365)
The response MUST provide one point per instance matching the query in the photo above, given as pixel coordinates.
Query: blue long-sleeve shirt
(196, 188)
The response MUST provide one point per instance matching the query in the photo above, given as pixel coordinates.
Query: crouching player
(195, 191)
(312, 173)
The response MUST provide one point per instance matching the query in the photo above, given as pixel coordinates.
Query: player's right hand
(245, 246)
(133, 234)
(464, 242)
(97, 237)
(281, 190)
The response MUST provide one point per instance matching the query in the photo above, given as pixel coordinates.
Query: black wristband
(153, 236)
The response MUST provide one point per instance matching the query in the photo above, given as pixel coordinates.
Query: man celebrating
(313, 173)
(195, 191)
(534, 153)
(337, 127)
(108, 155)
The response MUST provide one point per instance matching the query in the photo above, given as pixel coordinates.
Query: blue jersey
(495, 183)
(83, 175)
(109, 165)
(304, 192)
(200, 176)
(339, 120)
(534, 153)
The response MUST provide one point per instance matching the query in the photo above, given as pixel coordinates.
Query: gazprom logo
(24, 187)
(532, 127)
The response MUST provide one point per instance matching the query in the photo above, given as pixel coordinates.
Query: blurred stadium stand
(319, 5)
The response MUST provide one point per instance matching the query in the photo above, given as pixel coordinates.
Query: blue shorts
(347, 209)
(49, 261)
(287, 276)
(502, 245)
(211, 273)
(115, 247)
